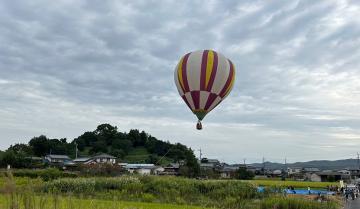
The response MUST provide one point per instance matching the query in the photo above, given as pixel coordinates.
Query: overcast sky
(67, 66)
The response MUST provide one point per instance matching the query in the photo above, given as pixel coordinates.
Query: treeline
(105, 139)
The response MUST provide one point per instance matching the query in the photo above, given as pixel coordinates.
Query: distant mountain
(321, 164)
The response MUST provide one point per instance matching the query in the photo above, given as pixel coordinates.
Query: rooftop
(104, 155)
(58, 156)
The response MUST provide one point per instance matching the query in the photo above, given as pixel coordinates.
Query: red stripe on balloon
(228, 81)
(186, 101)
(213, 72)
(210, 101)
(184, 73)
(203, 70)
(196, 99)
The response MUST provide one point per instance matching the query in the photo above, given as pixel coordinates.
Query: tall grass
(158, 192)
(156, 189)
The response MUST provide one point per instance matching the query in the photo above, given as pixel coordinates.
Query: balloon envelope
(204, 79)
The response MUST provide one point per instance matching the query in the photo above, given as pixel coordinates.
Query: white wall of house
(225, 175)
(144, 171)
(314, 177)
(105, 160)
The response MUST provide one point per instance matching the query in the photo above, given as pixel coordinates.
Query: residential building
(56, 159)
(142, 169)
(97, 159)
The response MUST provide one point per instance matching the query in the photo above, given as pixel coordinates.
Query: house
(102, 158)
(354, 172)
(209, 164)
(251, 168)
(333, 176)
(345, 171)
(228, 171)
(56, 159)
(98, 159)
(81, 160)
(312, 177)
(142, 169)
(294, 170)
(310, 170)
(276, 173)
(172, 169)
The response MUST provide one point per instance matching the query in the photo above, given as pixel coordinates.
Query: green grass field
(58, 202)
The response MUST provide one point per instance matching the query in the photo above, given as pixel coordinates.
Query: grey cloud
(89, 62)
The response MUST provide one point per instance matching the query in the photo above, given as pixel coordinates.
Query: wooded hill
(131, 147)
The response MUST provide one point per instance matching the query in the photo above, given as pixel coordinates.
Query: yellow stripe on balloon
(180, 73)
(209, 67)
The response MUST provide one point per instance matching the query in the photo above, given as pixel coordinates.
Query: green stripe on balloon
(200, 114)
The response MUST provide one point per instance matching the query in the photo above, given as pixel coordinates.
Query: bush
(45, 174)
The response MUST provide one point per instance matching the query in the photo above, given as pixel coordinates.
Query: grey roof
(139, 166)
(104, 156)
(311, 169)
(34, 158)
(332, 173)
(209, 165)
(213, 161)
(174, 165)
(82, 159)
(59, 156)
(229, 168)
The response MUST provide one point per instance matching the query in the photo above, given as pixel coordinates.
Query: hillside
(321, 164)
(131, 147)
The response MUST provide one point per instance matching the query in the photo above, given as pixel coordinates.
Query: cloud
(67, 67)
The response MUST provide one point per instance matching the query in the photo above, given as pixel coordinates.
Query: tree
(16, 160)
(153, 159)
(244, 174)
(40, 145)
(86, 139)
(134, 136)
(106, 132)
(57, 146)
(22, 148)
(118, 153)
(98, 147)
(192, 164)
(125, 145)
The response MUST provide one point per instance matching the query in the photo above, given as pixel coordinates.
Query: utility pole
(200, 162)
(200, 154)
(285, 169)
(245, 161)
(263, 161)
(76, 150)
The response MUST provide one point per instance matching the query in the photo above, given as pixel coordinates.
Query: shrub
(45, 174)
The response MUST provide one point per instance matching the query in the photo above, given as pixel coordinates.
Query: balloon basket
(199, 125)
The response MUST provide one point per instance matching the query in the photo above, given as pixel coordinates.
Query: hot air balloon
(204, 79)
